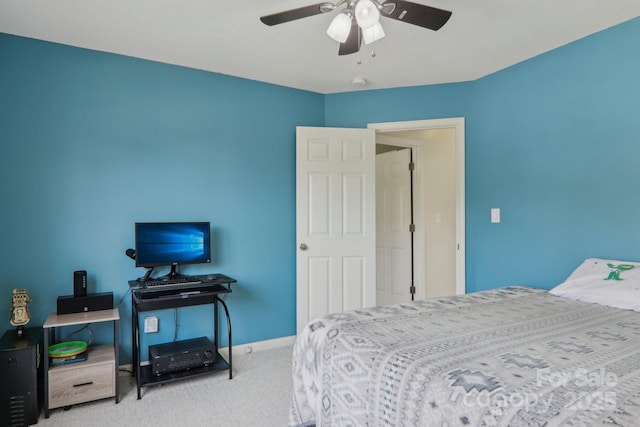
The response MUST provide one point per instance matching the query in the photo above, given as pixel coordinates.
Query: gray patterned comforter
(515, 356)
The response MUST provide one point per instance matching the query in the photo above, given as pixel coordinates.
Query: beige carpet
(258, 395)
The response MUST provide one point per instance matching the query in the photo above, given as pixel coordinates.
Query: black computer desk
(213, 290)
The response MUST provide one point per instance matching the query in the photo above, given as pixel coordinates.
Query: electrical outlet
(150, 324)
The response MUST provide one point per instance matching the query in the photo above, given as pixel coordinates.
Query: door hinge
(412, 166)
(412, 228)
(412, 289)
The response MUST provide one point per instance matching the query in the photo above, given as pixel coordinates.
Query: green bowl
(66, 349)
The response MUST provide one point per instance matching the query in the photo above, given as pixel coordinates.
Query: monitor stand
(147, 275)
(173, 274)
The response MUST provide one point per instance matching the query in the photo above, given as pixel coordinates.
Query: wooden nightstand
(94, 378)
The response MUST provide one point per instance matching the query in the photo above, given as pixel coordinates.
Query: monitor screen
(172, 243)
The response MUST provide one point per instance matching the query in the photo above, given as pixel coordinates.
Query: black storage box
(21, 373)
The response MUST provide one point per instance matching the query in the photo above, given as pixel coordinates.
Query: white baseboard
(259, 345)
(242, 348)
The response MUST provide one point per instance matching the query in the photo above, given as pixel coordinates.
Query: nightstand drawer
(81, 382)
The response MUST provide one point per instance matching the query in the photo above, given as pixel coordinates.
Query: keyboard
(180, 284)
(186, 281)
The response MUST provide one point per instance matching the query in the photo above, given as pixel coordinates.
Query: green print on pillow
(617, 270)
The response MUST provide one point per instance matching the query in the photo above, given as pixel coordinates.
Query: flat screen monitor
(172, 243)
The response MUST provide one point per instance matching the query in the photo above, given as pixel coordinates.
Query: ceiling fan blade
(352, 44)
(418, 14)
(293, 14)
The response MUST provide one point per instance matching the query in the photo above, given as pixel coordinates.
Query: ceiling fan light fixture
(388, 8)
(327, 7)
(372, 33)
(367, 14)
(340, 27)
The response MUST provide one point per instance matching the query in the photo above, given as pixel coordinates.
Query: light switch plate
(495, 215)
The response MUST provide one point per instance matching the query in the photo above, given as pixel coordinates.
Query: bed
(514, 356)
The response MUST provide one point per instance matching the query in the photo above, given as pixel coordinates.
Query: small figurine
(617, 270)
(20, 315)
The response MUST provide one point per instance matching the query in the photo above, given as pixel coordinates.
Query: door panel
(354, 282)
(353, 205)
(319, 280)
(335, 221)
(319, 204)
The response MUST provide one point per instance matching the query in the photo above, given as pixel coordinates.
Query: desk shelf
(147, 378)
(160, 300)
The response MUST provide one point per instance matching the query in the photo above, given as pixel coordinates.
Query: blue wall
(553, 141)
(93, 142)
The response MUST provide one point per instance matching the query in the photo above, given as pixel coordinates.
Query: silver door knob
(303, 247)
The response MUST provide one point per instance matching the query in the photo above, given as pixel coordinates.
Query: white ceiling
(227, 37)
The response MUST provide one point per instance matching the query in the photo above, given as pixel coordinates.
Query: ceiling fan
(359, 20)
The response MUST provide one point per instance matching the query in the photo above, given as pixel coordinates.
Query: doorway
(438, 190)
(335, 215)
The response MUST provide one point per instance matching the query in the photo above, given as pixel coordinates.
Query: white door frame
(458, 124)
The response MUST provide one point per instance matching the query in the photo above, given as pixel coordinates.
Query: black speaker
(80, 283)
(92, 302)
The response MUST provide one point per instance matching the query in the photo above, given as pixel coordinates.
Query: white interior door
(393, 219)
(335, 221)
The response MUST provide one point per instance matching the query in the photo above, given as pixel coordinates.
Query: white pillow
(603, 281)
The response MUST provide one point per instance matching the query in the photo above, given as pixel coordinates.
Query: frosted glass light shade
(372, 33)
(339, 28)
(367, 14)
